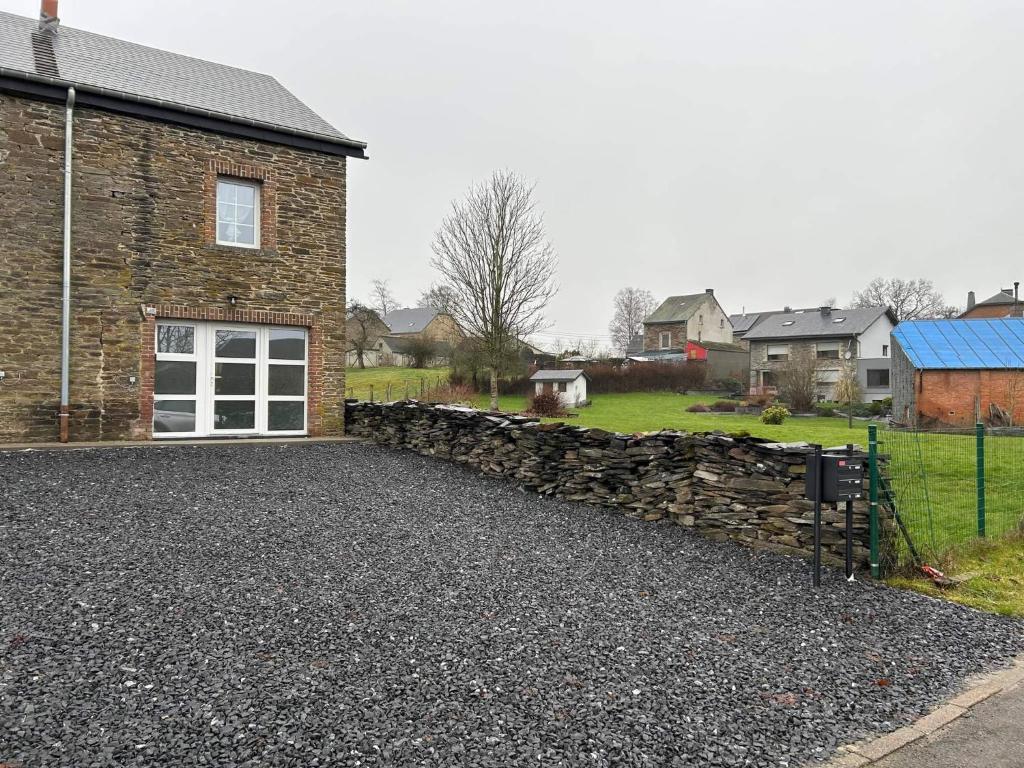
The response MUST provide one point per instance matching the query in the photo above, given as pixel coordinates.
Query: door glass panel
(174, 416)
(286, 380)
(236, 344)
(287, 344)
(235, 379)
(176, 339)
(234, 414)
(175, 377)
(285, 415)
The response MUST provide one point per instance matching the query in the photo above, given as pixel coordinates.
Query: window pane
(244, 234)
(235, 379)
(176, 339)
(175, 377)
(234, 414)
(286, 380)
(287, 344)
(227, 233)
(225, 192)
(245, 194)
(236, 344)
(225, 212)
(286, 415)
(174, 416)
(244, 214)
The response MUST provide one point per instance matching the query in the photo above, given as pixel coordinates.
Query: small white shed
(571, 385)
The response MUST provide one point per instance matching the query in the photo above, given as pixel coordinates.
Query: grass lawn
(651, 411)
(992, 573)
(358, 381)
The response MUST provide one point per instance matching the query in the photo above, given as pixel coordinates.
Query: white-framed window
(238, 212)
(563, 386)
(827, 350)
(778, 352)
(665, 339)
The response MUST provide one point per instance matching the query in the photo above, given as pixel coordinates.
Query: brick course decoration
(142, 236)
(739, 489)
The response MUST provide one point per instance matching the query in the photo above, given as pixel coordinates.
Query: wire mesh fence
(941, 491)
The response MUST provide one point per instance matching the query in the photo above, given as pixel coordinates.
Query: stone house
(173, 239)
(958, 372)
(1006, 303)
(832, 340)
(693, 317)
(424, 323)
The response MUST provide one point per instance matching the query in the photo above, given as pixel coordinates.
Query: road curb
(977, 690)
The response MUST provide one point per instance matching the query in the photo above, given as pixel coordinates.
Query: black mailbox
(842, 477)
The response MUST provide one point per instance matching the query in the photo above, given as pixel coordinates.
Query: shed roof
(963, 344)
(677, 309)
(812, 324)
(122, 70)
(719, 346)
(570, 374)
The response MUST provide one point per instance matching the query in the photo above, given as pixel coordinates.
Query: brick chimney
(48, 19)
(709, 291)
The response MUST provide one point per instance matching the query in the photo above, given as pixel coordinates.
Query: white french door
(229, 379)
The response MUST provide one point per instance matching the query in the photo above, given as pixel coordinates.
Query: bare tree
(632, 306)
(382, 299)
(908, 299)
(798, 381)
(362, 330)
(438, 297)
(495, 258)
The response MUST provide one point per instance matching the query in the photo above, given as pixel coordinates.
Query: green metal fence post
(979, 431)
(873, 496)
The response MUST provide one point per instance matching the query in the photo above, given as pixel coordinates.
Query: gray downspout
(65, 320)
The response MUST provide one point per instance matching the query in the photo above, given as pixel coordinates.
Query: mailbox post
(834, 477)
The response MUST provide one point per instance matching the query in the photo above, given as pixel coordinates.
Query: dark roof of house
(412, 320)
(570, 374)
(678, 309)
(744, 322)
(720, 346)
(120, 70)
(811, 324)
(1005, 296)
(659, 356)
(996, 343)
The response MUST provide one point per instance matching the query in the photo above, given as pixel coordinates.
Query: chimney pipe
(970, 300)
(709, 291)
(48, 19)
(825, 311)
(1016, 290)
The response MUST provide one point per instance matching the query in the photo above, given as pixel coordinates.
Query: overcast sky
(779, 152)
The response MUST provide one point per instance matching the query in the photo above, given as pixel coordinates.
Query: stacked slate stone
(723, 487)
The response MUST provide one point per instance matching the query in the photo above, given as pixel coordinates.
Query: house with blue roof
(958, 372)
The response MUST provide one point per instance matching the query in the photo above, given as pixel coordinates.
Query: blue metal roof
(996, 343)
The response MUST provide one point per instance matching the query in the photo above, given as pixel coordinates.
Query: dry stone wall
(723, 487)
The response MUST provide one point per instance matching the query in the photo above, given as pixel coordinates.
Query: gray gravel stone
(313, 605)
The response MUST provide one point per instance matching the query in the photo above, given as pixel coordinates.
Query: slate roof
(570, 374)
(678, 309)
(963, 344)
(813, 324)
(125, 70)
(744, 322)
(412, 320)
(636, 345)
(720, 346)
(1002, 298)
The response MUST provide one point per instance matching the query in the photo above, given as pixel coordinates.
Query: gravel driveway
(346, 604)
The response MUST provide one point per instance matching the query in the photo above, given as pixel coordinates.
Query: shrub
(546, 404)
(760, 400)
(729, 384)
(825, 409)
(698, 408)
(774, 414)
(886, 404)
(461, 394)
(724, 406)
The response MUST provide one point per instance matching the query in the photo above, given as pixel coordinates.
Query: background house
(957, 372)
(570, 384)
(363, 327)
(425, 323)
(745, 322)
(1006, 303)
(696, 316)
(832, 339)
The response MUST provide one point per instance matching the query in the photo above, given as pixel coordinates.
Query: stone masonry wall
(722, 487)
(143, 238)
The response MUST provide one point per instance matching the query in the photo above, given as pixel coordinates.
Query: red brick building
(958, 372)
(173, 245)
(1006, 303)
